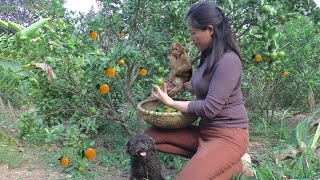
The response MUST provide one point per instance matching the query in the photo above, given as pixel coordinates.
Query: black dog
(144, 162)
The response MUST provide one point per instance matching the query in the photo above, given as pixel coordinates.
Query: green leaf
(84, 91)
(15, 26)
(301, 133)
(3, 82)
(4, 24)
(26, 73)
(6, 64)
(11, 84)
(259, 36)
(272, 31)
(31, 31)
(316, 138)
(275, 36)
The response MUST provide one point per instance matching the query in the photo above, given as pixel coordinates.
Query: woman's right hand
(161, 94)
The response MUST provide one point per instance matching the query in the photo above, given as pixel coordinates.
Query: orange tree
(140, 33)
(265, 58)
(264, 31)
(78, 61)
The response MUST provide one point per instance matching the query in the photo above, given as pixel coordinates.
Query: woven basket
(168, 120)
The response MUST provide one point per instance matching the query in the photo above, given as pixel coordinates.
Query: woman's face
(202, 39)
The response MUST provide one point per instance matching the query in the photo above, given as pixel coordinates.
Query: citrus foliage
(79, 49)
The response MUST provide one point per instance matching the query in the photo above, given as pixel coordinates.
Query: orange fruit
(64, 161)
(93, 35)
(104, 88)
(110, 72)
(258, 57)
(121, 62)
(121, 34)
(89, 153)
(143, 72)
(284, 74)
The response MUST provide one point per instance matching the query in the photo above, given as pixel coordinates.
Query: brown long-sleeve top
(219, 98)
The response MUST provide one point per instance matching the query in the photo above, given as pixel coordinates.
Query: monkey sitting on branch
(180, 68)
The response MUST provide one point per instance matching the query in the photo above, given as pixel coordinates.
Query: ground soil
(25, 173)
(35, 168)
(29, 171)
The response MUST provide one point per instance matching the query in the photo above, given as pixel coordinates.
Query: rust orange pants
(215, 152)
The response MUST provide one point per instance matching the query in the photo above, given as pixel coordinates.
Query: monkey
(180, 68)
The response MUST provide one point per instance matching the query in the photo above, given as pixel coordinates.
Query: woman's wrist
(179, 105)
(170, 102)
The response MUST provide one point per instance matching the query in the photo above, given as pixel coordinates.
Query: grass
(10, 153)
(277, 136)
(267, 138)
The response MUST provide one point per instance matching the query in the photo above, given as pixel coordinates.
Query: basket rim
(155, 112)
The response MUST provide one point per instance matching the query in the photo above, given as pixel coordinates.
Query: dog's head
(140, 146)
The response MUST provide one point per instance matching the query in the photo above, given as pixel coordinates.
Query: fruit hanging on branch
(142, 72)
(110, 72)
(93, 35)
(103, 88)
(258, 57)
(121, 62)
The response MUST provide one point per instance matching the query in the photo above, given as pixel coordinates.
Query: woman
(221, 139)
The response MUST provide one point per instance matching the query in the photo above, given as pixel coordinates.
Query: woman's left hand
(161, 95)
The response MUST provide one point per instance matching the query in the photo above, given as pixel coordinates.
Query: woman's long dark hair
(203, 14)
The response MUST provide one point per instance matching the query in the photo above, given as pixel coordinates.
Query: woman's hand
(162, 95)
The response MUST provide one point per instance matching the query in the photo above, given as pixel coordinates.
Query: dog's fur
(144, 162)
